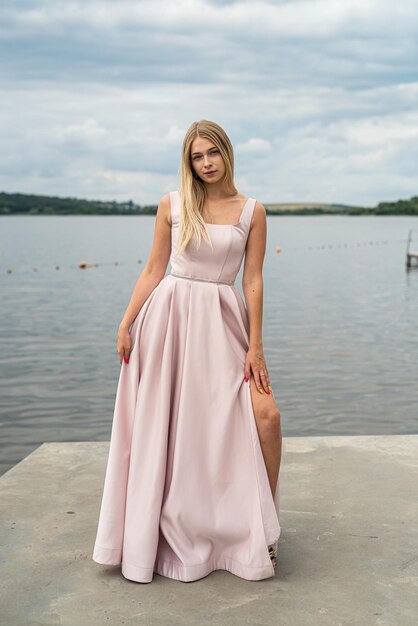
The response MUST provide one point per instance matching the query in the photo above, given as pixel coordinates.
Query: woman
(191, 483)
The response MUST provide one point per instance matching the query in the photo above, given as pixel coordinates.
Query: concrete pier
(348, 554)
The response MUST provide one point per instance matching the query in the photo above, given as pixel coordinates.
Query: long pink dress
(186, 490)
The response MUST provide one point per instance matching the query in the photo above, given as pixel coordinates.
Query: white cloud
(254, 145)
(88, 129)
(315, 18)
(394, 128)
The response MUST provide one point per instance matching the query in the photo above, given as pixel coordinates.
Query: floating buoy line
(352, 244)
(83, 265)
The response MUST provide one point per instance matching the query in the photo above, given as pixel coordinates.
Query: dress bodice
(222, 262)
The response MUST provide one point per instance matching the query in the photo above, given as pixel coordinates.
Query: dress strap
(175, 207)
(247, 212)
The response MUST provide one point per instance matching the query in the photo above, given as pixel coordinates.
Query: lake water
(340, 325)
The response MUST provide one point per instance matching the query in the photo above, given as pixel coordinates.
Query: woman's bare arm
(252, 279)
(156, 265)
(252, 284)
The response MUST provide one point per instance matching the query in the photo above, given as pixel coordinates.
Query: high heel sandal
(273, 548)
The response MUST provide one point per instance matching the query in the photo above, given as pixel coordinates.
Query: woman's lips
(210, 173)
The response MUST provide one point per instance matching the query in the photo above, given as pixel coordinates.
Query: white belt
(205, 280)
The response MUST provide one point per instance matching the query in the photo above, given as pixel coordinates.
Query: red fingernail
(246, 379)
(126, 360)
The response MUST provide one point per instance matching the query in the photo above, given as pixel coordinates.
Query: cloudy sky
(320, 97)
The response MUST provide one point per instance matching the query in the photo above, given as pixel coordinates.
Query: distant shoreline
(29, 204)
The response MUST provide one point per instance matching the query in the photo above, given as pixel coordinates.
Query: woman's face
(205, 158)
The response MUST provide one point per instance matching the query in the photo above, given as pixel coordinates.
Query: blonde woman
(192, 478)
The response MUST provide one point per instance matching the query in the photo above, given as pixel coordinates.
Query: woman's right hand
(124, 343)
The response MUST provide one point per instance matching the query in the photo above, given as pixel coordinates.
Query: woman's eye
(211, 153)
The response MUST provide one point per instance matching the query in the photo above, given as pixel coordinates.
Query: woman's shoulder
(245, 197)
(165, 201)
(259, 213)
(164, 207)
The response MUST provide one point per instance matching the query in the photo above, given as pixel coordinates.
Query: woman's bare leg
(267, 417)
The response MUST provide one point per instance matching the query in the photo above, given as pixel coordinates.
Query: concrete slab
(348, 555)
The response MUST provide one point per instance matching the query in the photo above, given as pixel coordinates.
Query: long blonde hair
(192, 188)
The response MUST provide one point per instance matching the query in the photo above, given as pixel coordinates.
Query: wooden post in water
(411, 257)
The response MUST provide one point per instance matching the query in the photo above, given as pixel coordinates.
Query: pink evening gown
(186, 490)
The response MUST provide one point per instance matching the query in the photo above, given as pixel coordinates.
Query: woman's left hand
(256, 363)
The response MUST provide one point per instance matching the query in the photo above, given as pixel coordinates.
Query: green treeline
(400, 207)
(30, 204)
